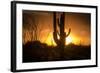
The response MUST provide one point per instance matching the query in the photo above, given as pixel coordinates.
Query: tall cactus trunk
(62, 36)
(55, 29)
(62, 33)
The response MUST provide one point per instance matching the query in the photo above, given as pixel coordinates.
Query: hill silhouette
(36, 51)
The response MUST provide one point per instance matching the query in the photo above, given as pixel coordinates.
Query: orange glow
(49, 41)
(70, 39)
(80, 24)
(76, 40)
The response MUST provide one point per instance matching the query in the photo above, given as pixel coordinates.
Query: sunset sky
(42, 24)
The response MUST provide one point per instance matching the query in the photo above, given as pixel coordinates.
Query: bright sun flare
(68, 40)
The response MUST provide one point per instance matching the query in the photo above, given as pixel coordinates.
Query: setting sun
(68, 40)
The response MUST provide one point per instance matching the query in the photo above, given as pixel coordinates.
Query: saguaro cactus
(62, 35)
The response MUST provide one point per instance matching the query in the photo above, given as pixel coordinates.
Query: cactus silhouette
(62, 35)
(60, 22)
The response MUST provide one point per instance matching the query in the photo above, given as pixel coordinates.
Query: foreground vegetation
(38, 52)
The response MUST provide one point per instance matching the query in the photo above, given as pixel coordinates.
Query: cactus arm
(68, 32)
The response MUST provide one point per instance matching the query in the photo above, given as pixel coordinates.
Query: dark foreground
(38, 52)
